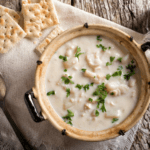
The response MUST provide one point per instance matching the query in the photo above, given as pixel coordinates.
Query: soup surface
(91, 82)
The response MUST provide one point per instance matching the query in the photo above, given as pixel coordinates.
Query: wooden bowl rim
(49, 113)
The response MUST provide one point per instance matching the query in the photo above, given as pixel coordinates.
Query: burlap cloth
(18, 68)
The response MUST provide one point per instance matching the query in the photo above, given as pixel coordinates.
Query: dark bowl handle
(145, 46)
(36, 116)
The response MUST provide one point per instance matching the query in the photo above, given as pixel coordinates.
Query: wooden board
(133, 14)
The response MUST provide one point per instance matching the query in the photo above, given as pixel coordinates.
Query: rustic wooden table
(133, 14)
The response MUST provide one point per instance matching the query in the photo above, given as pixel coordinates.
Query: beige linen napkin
(18, 67)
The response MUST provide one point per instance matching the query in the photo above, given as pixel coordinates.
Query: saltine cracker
(38, 16)
(32, 19)
(10, 33)
(11, 12)
(43, 45)
(48, 14)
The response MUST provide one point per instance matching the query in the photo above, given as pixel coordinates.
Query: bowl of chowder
(91, 83)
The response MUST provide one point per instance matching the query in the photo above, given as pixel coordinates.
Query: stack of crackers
(37, 16)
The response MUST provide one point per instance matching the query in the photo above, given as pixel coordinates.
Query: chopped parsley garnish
(120, 68)
(109, 47)
(77, 54)
(51, 93)
(65, 70)
(111, 60)
(70, 77)
(128, 75)
(86, 87)
(68, 92)
(108, 76)
(98, 38)
(100, 91)
(67, 118)
(79, 86)
(131, 67)
(117, 73)
(83, 70)
(103, 108)
(69, 122)
(92, 84)
(114, 120)
(94, 76)
(64, 58)
(119, 59)
(90, 99)
(112, 93)
(67, 80)
(102, 47)
(100, 100)
(96, 113)
(108, 64)
(102, 94)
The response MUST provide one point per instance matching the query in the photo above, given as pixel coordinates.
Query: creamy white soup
(92, 82)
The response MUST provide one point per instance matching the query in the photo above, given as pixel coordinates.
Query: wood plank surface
(134, 14)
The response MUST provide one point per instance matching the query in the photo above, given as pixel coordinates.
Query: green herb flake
(109, 47)
(120, 68)
(108, 64)
(131, 67)
(94, 76)
(102, 47)
(92, 84)
(117, 73)
(83, 70)
(86, 87)
(51, 93)
(114, 120)
(77, 54)
(119, 59)
(98, 38)
(70, 77)
(67, 118)
(90, 99)
(79, 86)
(67, 80)
(69, 122)
(64, 58)
(96, 113)
(128, 75)
(102, 94)
(65, 70)
(108, 76)
(112, 93)
(100, 90)
(71, 82)
(111, 60)
(68, 92)
(100, 100)
(103, 108)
